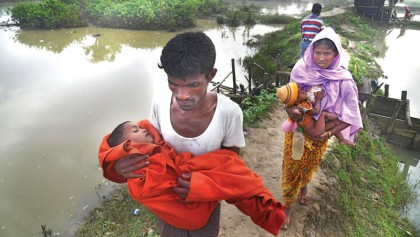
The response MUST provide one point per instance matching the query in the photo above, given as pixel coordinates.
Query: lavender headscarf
(341, 90)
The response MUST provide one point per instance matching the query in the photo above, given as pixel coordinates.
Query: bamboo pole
(233, 75)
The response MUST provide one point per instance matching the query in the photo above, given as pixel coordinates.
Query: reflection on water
(400, 65)
(60, 92)
(4, 16)
(410, 166)
(293, 9)
(98, 44)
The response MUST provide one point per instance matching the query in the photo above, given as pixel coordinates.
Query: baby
(129, 130)
(293, 95)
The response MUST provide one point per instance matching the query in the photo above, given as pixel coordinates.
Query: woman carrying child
(324, 63)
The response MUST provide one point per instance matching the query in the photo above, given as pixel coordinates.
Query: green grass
(116, 219)
(256, 108)
(372, 189)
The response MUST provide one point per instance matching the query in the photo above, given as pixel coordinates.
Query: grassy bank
(371, 189)
(116, 218)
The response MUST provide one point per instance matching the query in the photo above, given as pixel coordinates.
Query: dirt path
(264, 154)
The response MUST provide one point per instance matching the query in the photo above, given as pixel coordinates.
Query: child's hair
(117, 136)
(187, 54)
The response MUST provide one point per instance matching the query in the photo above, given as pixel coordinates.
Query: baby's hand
(319, 95)
(297, 115)
(293, 113)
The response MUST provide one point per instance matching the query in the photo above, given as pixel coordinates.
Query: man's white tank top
(225, 129)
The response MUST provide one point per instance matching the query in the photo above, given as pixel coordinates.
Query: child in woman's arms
(293, 95)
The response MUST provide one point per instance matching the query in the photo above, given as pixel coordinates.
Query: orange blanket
(219, 175)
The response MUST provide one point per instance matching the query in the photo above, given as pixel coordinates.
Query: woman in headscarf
(324, 63)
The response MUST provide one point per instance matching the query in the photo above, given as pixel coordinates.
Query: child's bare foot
(346, 142)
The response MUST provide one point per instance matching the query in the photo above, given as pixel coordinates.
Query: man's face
(133, 132)
(323, 56)
(188, 92)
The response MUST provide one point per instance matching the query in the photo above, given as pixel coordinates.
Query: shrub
(48, 14)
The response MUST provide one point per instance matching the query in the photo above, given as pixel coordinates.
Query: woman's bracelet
(329, 134)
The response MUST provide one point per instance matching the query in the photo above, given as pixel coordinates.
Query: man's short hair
(188, 54)
(316, 8)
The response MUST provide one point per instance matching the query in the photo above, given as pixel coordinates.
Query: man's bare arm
(234, 149)
(127, 165)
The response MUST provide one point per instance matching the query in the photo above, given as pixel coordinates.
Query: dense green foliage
(255, 108)
(48, 14)
(144, 14)
(137, 14)
(128, 14)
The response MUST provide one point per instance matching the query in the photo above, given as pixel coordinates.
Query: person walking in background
(310, 27)
(190, 118)
(408, 14)
(325, 64)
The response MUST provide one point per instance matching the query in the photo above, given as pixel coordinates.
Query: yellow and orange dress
(298, 173)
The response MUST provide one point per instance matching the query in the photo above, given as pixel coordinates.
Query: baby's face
(301, 95)
(133, 132)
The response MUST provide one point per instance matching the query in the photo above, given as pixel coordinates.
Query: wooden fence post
(249, 80)
(386, 90)
(234, 76)
(403, 95)
(370, 104)
(407, 108)
(265, 79)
